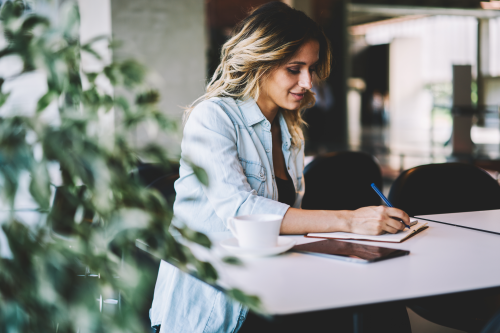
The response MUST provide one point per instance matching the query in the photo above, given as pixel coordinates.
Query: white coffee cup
(256, 231)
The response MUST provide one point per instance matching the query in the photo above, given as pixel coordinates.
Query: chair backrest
(159, 177)
(341, 180)
(445, 188)
(147, 173)
(165, 185)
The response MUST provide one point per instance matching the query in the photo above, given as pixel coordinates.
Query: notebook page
(393, 238)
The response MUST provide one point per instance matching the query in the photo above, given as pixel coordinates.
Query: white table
(443, 259)
(486, 220)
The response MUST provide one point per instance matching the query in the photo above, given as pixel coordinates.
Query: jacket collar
(251, 111)
(252, 115)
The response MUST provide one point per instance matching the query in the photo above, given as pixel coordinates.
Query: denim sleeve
(210, 142)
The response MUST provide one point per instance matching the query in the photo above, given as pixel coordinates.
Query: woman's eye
(293, 71)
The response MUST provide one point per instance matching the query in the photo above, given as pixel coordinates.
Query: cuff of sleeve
(269, 206)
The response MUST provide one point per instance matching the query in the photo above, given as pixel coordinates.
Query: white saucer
(284, 244)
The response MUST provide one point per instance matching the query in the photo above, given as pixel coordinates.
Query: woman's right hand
(376, 220)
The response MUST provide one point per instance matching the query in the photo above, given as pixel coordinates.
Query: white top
(443, 259)
(488, 220)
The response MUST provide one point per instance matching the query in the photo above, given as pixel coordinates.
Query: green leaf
(149, 97)
(18, 8)
(45, 100)
(107, 102)
(91, 77)
(195, 236)
(33, 20)
(232, 261)
(207, 272)
(201, 174)
(251, 301)
(122, 103)
(3, 98)
(70, 20)
(133, 73)
(112, 73)
(12, 10)
(40, 185)
(88, 48)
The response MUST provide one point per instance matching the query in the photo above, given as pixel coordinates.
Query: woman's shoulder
(226, 104)
(217, 114)
(217, 108)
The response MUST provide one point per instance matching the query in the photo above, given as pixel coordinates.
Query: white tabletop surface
(443, 259)
(488, 220)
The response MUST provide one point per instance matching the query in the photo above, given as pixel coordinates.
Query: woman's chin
(292, 106)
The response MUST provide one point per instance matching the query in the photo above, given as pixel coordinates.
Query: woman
(246, 133)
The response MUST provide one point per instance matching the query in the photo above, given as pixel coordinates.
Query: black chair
(147, 173)
(165, 185)
(439, 189)
(445, 188)
(162, 178)
(341, 181)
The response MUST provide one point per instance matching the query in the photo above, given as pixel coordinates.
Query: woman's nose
(305, 80)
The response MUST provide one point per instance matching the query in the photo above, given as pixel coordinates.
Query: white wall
(410, 105)
(445, 41)
(494, 47)
(95, 21)
(354, 117)
(169, 37)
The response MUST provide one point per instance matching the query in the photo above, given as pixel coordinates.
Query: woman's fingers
(395, 217)
(398, 213)
(393, 228)
(377, 220)
(393, 224)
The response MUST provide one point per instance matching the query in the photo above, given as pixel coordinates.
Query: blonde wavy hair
(266, 39)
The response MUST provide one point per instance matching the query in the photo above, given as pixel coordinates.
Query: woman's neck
(268, 108)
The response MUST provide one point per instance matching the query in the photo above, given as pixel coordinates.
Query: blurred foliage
(46, 284)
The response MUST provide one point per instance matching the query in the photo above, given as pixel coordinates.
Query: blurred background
(413, 81)
(406, 72)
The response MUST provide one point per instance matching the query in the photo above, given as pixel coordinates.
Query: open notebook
(415, 227)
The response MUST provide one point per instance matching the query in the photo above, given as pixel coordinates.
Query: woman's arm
(210, 142)
(373, 220)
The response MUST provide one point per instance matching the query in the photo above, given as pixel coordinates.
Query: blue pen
(387, 202)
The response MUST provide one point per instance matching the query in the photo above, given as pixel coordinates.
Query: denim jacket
(232, 141)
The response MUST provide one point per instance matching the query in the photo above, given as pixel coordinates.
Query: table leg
(357, 321)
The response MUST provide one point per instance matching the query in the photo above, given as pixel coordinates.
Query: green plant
(40, 290)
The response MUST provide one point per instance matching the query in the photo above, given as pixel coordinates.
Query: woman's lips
(297, 97)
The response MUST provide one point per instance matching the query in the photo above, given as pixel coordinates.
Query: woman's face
(286, 85)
